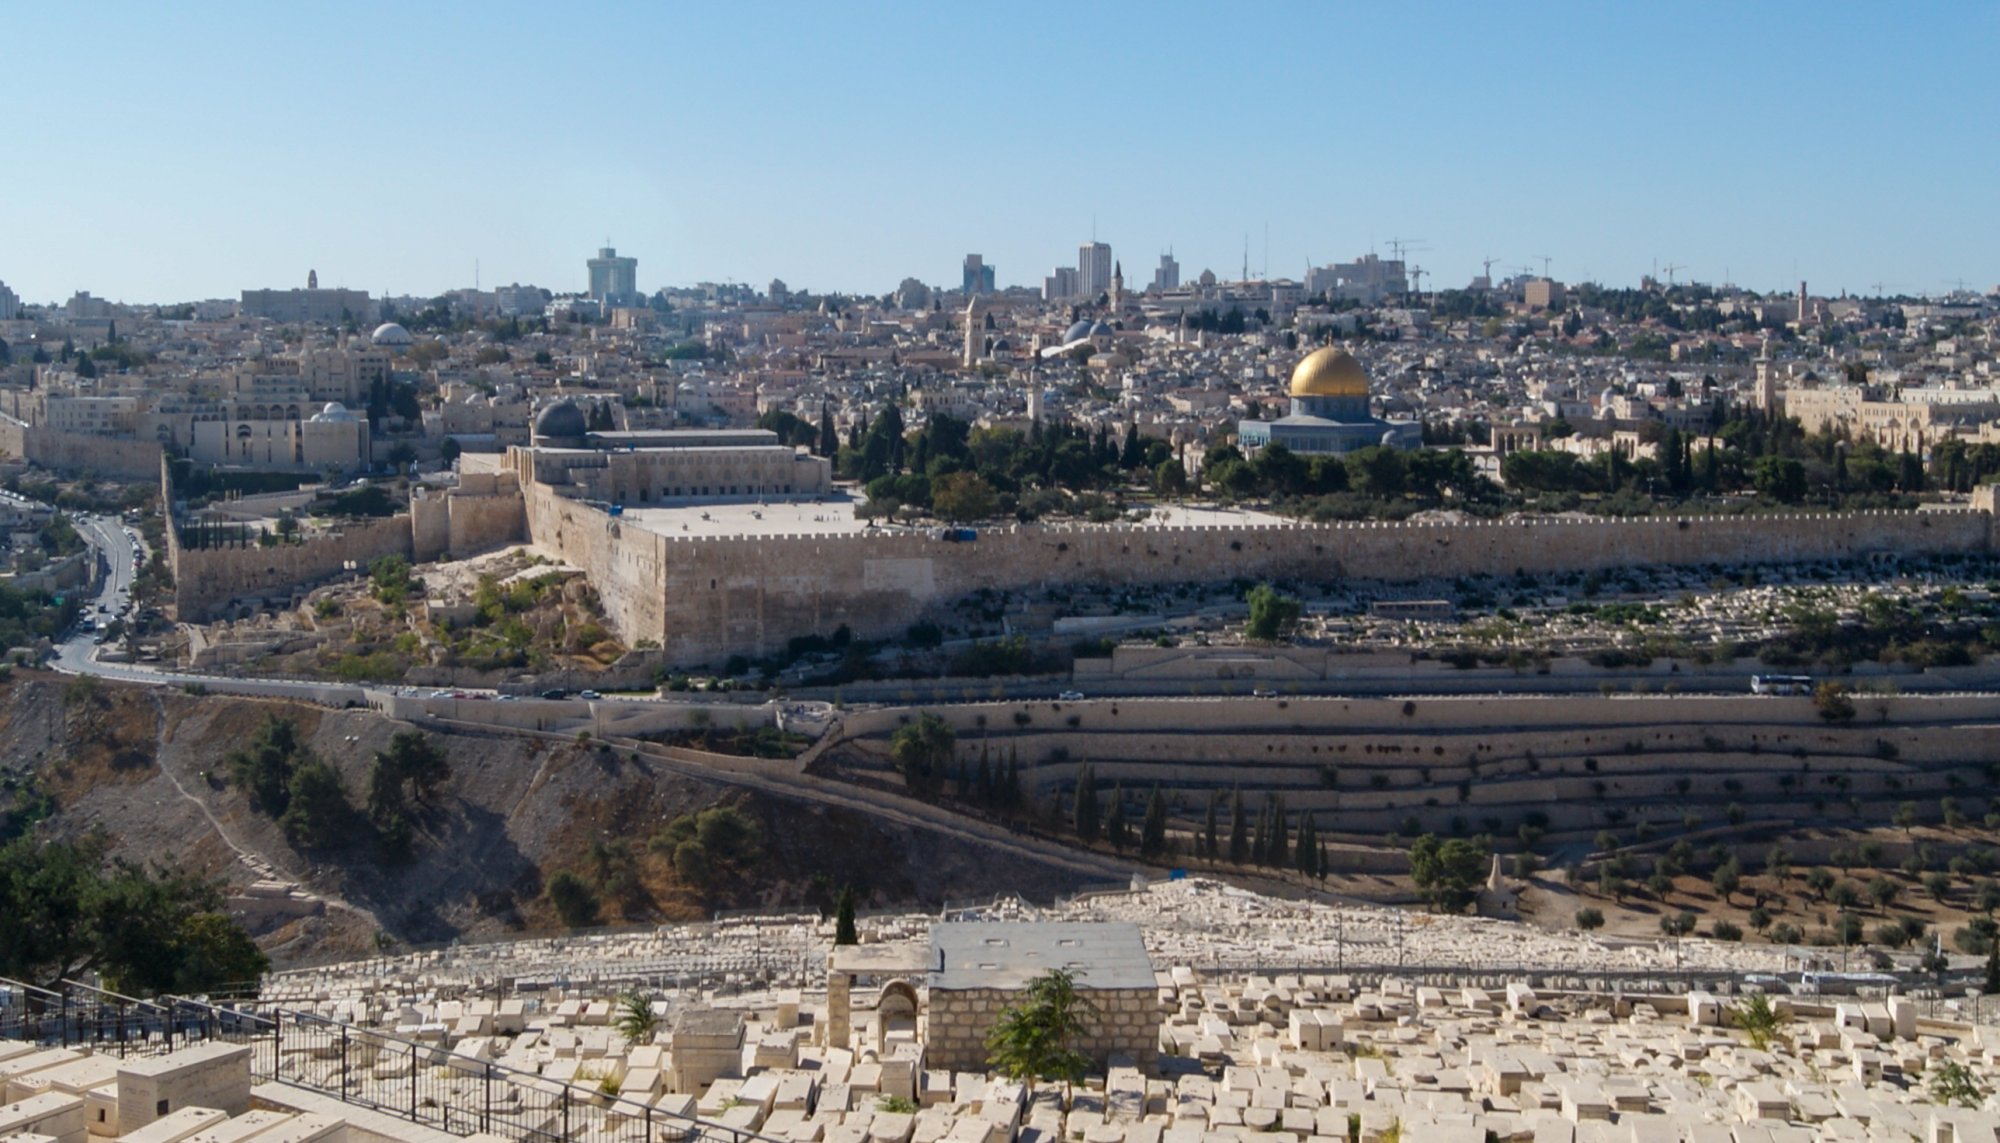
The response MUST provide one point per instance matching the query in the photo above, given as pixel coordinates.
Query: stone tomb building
(977, 969)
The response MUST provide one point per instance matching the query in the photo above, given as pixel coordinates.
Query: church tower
(1118, 288)
(973, 330)
(1767, 385)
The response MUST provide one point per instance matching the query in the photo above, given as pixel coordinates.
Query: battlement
(704, 598)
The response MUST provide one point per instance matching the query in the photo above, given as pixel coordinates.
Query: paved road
(78, 652)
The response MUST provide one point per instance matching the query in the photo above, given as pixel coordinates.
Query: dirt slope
(148, 767)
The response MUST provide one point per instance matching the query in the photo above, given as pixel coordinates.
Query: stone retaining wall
(1127, 1023)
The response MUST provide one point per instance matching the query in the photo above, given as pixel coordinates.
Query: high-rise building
(1093, 269)
(978, 276)
(1168, 276)
(614, 281)
(1059, 285)
(10, 303)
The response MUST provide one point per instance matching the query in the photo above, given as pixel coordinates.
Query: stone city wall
(1127, 1023)
(115, 457)
(706, 599)
(486, 511)
(209, 581)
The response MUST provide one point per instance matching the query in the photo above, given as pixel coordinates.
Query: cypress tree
(1239, 829)
(1011, 793)
(985, 779)
(1280, 826)
(1153, 833)
(1308, 850)
(843, 918)
(1114, 820)
(1321, 871)
(1084, 815)
(1260, 842)
(1208, 835)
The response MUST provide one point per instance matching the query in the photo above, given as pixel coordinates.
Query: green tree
(1832, 702)
(1036, 1038)
(1153, 831)
(67, 910)
(1780, 478)
(1271, 614)
(1759, 1019)
(1239, 829)
(575, 902)
(1306, 850)
(1210, 838)
(1727, 879)
(1277, 847)
(1085, 814)
(963, 497)
(1448, 874)
(1115, 827)
(317, 812)
(1905, 816)
(844, 932)
(922, 751)
(636, 1020)
(1589, 918)
(263, 769)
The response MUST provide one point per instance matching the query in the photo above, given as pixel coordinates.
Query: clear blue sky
(160, 152)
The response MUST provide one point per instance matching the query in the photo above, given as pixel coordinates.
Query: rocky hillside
(151, 768)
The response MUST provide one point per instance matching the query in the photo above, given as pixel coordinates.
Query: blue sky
(159, 152)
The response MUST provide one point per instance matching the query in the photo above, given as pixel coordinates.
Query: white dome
(389, 333)
(335, 411)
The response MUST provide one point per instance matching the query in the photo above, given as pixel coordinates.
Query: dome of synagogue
(335, 412)
(1076, 333)
(562, 420)
(1329, 372)
(390, 333)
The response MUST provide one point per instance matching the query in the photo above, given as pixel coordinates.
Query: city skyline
(209, 155)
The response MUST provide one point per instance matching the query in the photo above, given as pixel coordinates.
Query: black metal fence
(422, 1082)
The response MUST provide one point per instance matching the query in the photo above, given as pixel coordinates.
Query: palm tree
(1036, 1037)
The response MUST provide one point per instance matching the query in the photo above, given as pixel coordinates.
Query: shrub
(574, 900)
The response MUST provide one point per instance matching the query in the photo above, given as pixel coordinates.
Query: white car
(1071, 696)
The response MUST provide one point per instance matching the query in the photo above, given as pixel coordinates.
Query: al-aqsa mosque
(1329, 412)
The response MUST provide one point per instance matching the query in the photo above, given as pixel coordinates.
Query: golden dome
(1329, 372)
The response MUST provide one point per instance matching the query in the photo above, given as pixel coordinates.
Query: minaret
(1117, 287)
(1767, 388)
(312, 279)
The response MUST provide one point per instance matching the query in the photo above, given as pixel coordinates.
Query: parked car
(1071, 696)
(588, 695)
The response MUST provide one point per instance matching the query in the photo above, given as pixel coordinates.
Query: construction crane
(1545, 263)
(1669, 268)
(1400, 246)
(1488, 263)
(1417, 280)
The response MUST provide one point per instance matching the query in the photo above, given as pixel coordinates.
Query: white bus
(1781, 684)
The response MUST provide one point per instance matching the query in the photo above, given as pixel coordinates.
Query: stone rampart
(116, 457)
(484, 512)
(704, 599)
(208, 581)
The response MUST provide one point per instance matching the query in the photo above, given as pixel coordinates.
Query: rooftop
(1007, 955)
